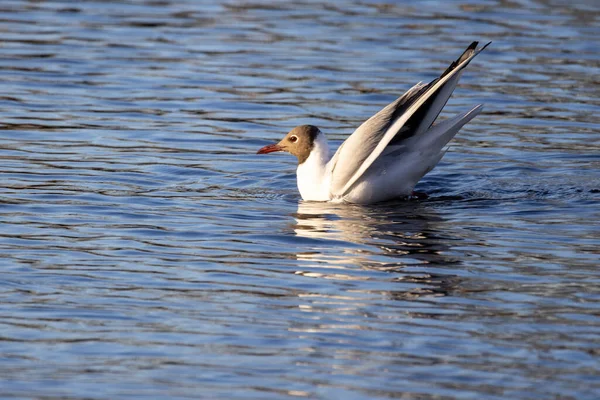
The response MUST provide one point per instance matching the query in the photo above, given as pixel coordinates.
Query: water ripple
(149, 252)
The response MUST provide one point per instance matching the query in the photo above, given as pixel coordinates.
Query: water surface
(148, 252)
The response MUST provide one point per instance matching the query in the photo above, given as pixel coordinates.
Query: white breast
(313, 175)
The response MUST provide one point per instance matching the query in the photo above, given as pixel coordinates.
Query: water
(148, 252)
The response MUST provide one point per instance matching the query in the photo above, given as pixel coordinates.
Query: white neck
(313, 175)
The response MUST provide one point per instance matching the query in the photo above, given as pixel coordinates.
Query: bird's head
(299, 142)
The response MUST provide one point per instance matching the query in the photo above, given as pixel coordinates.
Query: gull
(388, 154)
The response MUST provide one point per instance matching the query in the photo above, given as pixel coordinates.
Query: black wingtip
(472, 49)
(485, 45)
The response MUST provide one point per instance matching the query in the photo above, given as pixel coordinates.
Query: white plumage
(389, 153)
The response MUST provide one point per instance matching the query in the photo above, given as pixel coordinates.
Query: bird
(385, 157)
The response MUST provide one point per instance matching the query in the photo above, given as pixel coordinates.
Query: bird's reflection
(399, 242)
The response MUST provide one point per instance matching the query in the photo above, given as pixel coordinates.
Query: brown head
(299, 142)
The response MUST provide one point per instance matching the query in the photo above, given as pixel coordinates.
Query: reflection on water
(385, 238)
(148, 252)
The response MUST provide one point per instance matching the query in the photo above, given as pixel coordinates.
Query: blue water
(148, 252)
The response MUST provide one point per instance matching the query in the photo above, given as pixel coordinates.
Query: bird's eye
(293, 139)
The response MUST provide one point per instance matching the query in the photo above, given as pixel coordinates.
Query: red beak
(270, 149)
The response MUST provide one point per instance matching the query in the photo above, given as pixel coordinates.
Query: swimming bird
(389, 153)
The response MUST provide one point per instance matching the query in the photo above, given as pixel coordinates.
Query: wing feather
(410, 115)
(366, 137)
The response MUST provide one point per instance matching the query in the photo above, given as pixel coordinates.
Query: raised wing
(411, 114)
